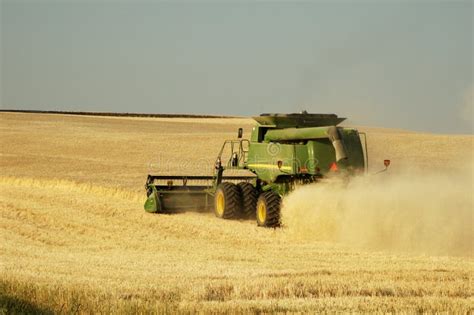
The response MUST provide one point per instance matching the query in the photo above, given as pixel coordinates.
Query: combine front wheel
(249, 199)
(227, 201)
(268, 209)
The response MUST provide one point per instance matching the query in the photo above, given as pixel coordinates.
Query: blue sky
(402, 64)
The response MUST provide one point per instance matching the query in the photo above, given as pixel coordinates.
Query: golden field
(75, 238)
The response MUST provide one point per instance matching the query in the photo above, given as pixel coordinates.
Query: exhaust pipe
(333, 135)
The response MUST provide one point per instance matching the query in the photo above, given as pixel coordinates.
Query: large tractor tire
(268, 209)
(227, 201)
(249, 199)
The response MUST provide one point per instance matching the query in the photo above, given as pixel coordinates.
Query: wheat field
(75, 238)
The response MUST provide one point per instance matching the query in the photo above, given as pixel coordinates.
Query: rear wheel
(227, 201)
(249, 199)
(268, 209)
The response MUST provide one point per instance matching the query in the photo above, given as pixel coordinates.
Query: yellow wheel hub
(262, 212)
(220, 204)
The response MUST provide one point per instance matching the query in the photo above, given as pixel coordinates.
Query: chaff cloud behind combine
(284, 150)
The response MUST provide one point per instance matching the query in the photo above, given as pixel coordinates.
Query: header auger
(284, 150)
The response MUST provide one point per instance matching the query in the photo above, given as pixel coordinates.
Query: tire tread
(249, 199)
(273, 205)
(233, 201)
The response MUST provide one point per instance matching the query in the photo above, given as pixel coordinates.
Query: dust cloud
(414, 212)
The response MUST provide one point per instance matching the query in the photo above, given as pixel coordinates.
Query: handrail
(242, 154)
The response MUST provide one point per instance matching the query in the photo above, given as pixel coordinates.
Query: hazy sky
(405, 64)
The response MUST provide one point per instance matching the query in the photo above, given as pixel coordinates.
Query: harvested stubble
(74, 237)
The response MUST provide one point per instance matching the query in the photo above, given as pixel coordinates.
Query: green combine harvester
(284, 150)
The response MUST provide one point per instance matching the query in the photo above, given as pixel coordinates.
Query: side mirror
(240, 133)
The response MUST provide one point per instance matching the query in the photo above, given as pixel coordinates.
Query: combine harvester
(284, 150)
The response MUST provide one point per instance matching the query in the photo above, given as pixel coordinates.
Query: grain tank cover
(298, 120)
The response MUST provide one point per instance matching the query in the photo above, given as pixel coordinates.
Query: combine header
(284, 150)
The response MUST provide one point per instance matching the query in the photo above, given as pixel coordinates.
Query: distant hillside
(112, 114)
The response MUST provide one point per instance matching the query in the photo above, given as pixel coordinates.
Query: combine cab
(284, 150)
